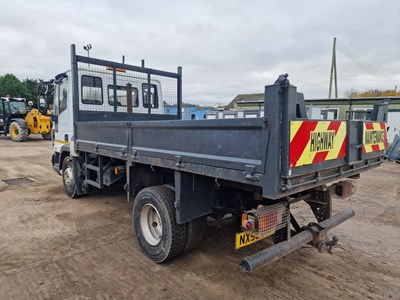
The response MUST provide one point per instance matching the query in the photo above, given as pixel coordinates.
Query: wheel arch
(20, 121)
(64, 152)
(58, 158)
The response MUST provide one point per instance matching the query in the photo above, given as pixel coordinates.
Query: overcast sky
(225, 47)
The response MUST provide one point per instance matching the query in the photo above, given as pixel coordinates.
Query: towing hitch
(315, 232)
(320, 237)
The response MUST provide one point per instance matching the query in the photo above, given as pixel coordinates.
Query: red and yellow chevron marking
(316, 141)
(374, 137)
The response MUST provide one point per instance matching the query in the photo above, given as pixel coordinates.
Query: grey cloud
(225, 47)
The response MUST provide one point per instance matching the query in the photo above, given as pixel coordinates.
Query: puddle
(17, 181)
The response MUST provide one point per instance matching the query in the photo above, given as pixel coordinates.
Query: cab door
(2, 115)
(62, 114)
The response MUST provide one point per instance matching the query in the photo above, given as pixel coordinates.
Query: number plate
(244, 239)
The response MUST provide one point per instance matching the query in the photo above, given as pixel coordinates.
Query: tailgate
(313, 142)
(331, 143)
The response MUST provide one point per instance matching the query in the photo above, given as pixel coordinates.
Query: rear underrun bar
(273, 253)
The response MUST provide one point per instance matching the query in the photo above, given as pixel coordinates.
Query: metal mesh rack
(114, 87)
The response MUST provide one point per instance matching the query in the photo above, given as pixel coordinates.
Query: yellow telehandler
(19, 119)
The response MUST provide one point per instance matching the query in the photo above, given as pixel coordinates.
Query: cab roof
(13, 99)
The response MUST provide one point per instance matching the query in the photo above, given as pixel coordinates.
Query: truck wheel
(194, 233)
(194, 229)
(68, 178)
(158, 234)
(46, 136)
(17, 132)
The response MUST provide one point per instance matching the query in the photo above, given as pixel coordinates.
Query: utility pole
(333, 71)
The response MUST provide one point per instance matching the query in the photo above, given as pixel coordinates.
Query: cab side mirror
(42, 88)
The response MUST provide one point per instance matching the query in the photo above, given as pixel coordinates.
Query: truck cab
(97, 92)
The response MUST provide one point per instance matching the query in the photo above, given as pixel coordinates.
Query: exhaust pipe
(277, 251)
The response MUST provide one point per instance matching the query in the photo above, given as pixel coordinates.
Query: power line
(311, 84)
(356, 59)
(361, 79)
(361, 64)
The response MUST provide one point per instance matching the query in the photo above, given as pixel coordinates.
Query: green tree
(30, 89)
(12, 86)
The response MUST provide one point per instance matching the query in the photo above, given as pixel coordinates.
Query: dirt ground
(52, 247)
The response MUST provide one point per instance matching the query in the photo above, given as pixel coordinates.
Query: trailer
(110, 129)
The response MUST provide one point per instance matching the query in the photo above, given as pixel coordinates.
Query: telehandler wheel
(68, 178)
(157, 232)
(46, 136)
(18, 132)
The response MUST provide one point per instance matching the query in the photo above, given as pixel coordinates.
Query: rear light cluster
(265, 220)
(345, 188)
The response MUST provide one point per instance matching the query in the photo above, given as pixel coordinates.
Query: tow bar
(314, 232)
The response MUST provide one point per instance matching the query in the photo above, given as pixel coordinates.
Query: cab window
(122, 96)
(152, 90)
(62, 96)
(91, 90)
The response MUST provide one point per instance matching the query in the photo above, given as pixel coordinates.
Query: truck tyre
(46, 136)
(194, 229)
(68, 178)
(194, 233)
(18, 131)
(157, 232)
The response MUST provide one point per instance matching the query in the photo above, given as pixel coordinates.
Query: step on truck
(118, 124)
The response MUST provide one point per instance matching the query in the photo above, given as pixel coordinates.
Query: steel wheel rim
(151, 225)
(68, 177)
(14, 131)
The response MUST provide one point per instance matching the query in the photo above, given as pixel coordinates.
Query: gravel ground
(52, 247)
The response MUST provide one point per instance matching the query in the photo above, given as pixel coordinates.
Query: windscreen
(18, 107)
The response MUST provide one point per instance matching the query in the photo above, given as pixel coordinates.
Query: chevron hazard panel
(316, 141)
(374, 137)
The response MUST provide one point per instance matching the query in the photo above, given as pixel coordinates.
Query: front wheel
(18, 131)
(157, 232)
(68, 178)
(46, 136)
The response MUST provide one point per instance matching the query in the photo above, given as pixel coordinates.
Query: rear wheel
(157, 232)
(18, 132)
(68, 178)
(194, 229)
(46, 136)
(194, 233)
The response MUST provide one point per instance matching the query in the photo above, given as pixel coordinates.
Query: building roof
(259, 99)
(246, 98)
(350, 101)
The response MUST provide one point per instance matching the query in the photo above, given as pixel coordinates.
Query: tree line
(353, 93)
(11, 86)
